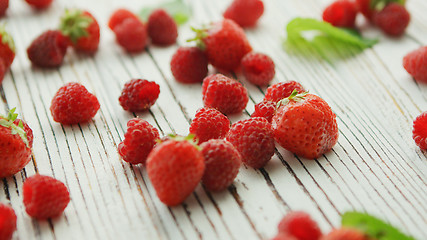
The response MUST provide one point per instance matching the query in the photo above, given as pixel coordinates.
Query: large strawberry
(7, 48)
(16, 140)
(305, 125)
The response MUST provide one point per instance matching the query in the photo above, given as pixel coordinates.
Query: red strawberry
(341, 13)
(39, 4)
(224, 43)
(209, 123)
(175, 167)
(278, 91)
(139, 95)
(345, 234)
(7, 48)
(415, 64)
(392, 19)
(45, 197)
(161, 27)
(222, 164)
(258, 68)
(16, 141)
(7, 222)
(48, 49)
(2, 70)
(4, 5)
(119, 16)
(131, 34)
(82, 29)
(265, 110)
(365, 8)
(300, 225)
(224, 94)
(245, 12)
(305, 125)
(254, 140)
(419, 132)
(189, 65)
(140, 139)
(73, 104)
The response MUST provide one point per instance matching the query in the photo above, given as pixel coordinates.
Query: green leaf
(372, 226)
(180, 11)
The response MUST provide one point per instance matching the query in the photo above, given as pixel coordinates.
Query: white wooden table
(374, 167)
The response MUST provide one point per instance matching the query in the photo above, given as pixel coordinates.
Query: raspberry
(258, 68)
(73, 104)
(415, 64)
(222, 162)
(392, 19)
(131, 34)
(300, 225)
(254, 140)
(209, 123)
(224, 94)
(419, 132)
(162, 29)
(7, 222)
(139, 95)
(245, 12)
(189, 65)
(45, 197)
(284, 236)
(119, 16)
(140, 139)
(341, 13)
(282, 90)
(48, 49)
(345, 234)
(265, 109)
(39, 4)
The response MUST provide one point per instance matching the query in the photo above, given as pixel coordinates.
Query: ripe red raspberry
(258, 68)
(341, 13)
(278, 91)
(139, 95)
(392, 19)
(48, 49)
(189, 65)
(222, 162)
(254, 140)
(284, 236)
(131, 34)
(119, 16)
(73, 104)
(162, 28)
(4, 5)
(300, 225)
(415, 64)
(45, 197)
(209, 123)
(225, 94)
(345, 234)
(419, 132)
(265, 109)
(140, 139)
(7, 222)
(39, 4)
(245, 12)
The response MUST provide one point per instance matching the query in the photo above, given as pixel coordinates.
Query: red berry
(7, 222)
(139, 95)
(140, 139)
(222, 162)
(2, 70)
(161, 27)
(119, 16)
(300, 225)
(175, 168)
(73, 104)
(48, 49)
(419, 132)
(392, 19)
(39, 4)
(209, 123)
(4, 5)
(265, 110)
(258, 68)
(345, 233)
(415, 64)
(45, 197)
(245, 12)
(341, 13)
(131, 34)
(284, 236)
(189, 65)
(364, 6)
(254, 140)
(7, 48)
(278, 91)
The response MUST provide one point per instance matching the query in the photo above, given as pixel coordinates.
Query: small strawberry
(7, 47)
(224, 43)
(139, 95)
(119, 16)
(162, 28)
(189, 65)
(140, 138)
(7, 222)
(245, 12)
(341, 13)
(225, 94)
(131, 34)
(254, 140)
(265, 109)
(258, 68)
(300, 225)
(419, 132)
(39, 4)
(16, 141)
(48, 49)
(209, 123)
(82, 29)
(305, 125)
(4, 5)
(73, 104)
(175, 167)
(392, 19)
(345, 234)
(278, 91)
(415, 63)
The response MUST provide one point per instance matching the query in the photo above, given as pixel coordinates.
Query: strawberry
(4, 5)
(300, 225)
(278, 91)
(131, 34)
(175, 167)
(209, 123)
(224, 43)
(7, 222)
(365, 8)
(305, 125)
(189, 65)
(139, 95)
(392, 19)
(341, 13)
(419, 132)
(16, 141)
(415, 63)
(345, 234)
(39, 4)
(7, 47)
(82, 29)
(258, 68)
(2, 70)
(119, 16)
(161, 28)
(265, 109)
(48, 49)
(245, 12)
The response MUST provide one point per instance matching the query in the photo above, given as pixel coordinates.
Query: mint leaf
(180, 11)
(372, 226)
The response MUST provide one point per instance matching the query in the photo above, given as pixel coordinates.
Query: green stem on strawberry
(295, 96)
(200, 34)
(380, 4)
(191, 138)
(8, 122)
(74, 24)
(6, 38)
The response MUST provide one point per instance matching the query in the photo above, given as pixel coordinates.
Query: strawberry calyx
(74, 24)
(200, 35)
(8, 122)
(295, 96)
(189, 138)
(380, 4)
(6, 38)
